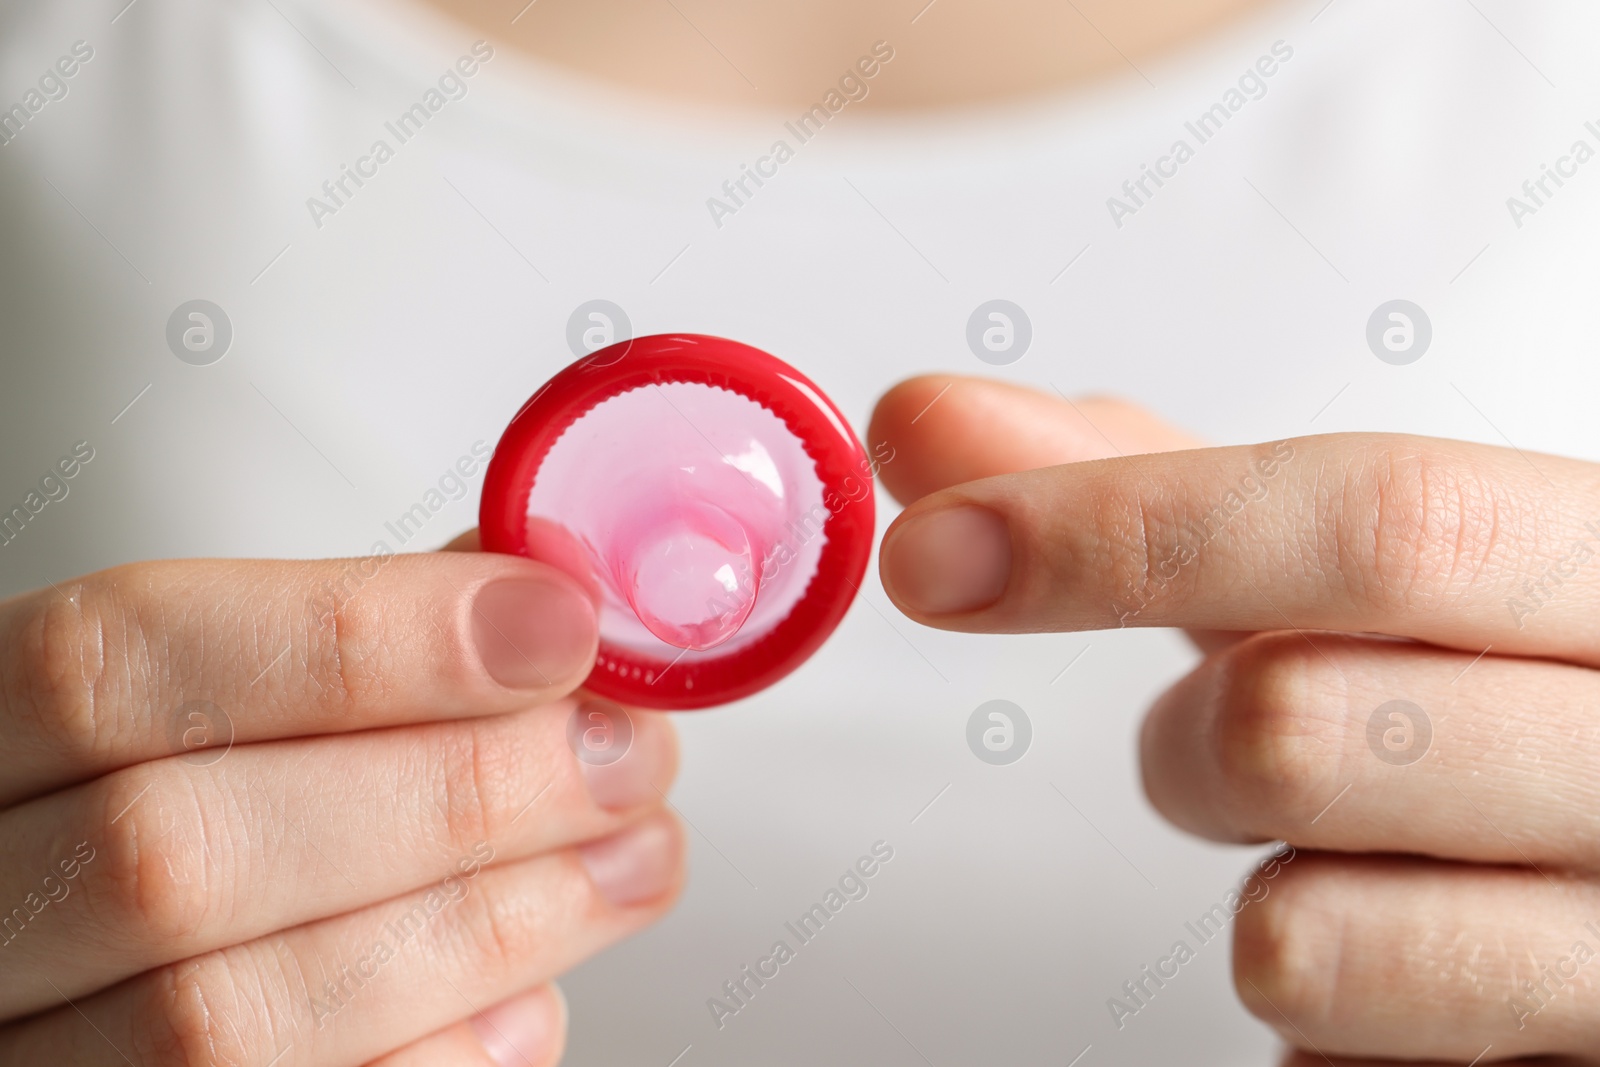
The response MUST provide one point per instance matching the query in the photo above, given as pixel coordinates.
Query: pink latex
(697, 510)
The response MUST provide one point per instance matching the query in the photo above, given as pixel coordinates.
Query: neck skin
(766, 54)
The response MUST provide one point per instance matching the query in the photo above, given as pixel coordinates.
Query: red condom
(713, 501)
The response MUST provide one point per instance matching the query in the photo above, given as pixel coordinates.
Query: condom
(712, 500)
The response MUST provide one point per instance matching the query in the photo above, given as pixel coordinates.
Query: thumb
(944, 430)
(936, 431)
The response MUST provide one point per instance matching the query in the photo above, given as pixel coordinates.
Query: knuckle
(502, 931)
(62, 678)
(1136, 551)
(1287, 948)
(501, 934)
(359, 624)
(345, 653)
(195, 1015)
(474, 771)
(1413, 526)
(486, 775)
(158, 872)
(1276, 743)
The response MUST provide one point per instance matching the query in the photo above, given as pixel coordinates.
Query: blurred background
(362, 347)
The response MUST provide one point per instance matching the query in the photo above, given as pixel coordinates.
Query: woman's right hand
(312, 814)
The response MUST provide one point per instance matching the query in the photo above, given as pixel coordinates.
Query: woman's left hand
(1402, 680)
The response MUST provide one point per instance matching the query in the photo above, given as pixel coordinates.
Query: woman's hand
(311, 814)
(1403, 636)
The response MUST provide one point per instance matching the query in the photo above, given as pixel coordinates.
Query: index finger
(1458, 544)
(157, 659)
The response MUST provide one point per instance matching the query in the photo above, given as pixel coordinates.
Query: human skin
(1428, 895)
(784, 53)
(399, 773)
(1426, 904)
(218, 895)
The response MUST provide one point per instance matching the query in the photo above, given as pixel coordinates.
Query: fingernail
(533, 631)
(630, 781)
(523, 1030)
(951, 560)
(636, 865)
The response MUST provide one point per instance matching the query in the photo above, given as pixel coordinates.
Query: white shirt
(375, 344)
